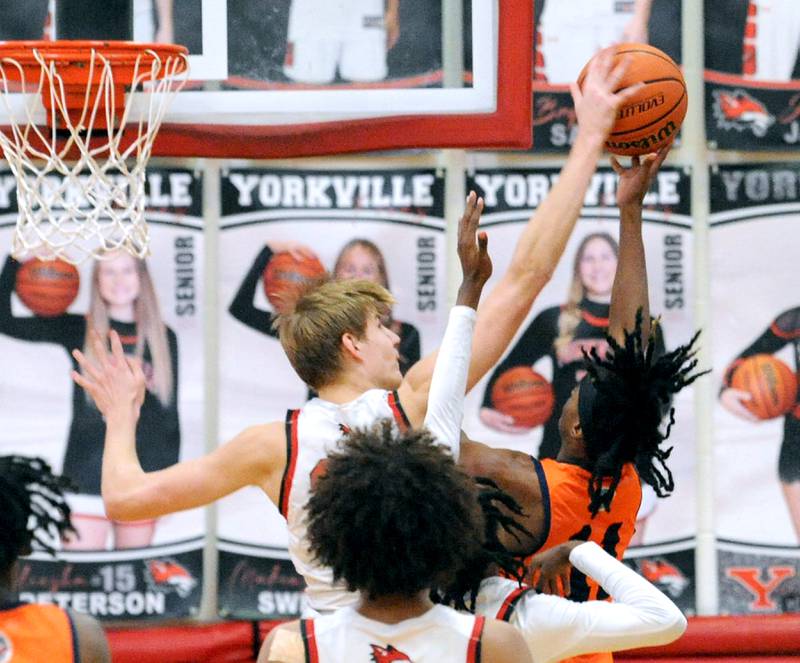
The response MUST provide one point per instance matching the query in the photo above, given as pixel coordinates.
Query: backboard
(281, 78)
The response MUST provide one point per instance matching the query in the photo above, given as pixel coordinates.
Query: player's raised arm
(444, 401)
(116, 384)
(629, 292)
(545, 236)
(557, 628)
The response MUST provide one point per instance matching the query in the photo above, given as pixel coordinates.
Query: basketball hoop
(80, 160)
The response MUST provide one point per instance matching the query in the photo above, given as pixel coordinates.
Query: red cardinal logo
(387, 654)
(166, 575)
(664, 575)
(739, 110)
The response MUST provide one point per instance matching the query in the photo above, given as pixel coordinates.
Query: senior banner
(111, 569)
(756, 339)
(570, 314)
(752, 91)
(285, 227)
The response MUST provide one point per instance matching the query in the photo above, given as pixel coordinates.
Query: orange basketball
(47, 287)
(770, 382)
(652, 117)
(286, 277)
(525, 395)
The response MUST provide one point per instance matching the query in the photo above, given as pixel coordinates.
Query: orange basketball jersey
(565, 492)
(31, 633)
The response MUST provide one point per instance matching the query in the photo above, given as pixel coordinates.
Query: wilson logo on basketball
(667, 577)
(387, 654)
(739, 111)
(648, 143)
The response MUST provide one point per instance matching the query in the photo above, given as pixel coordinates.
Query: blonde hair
(570, 316)
(311, 332)
(371, 248)
(150, 328)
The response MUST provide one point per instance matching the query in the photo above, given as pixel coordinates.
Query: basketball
(770, 382)
(525, 395)
(47, 287)
(286, 277)
(652, 117)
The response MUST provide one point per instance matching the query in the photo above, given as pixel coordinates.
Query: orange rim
(73, 57)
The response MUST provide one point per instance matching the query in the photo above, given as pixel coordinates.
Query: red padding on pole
(229, 642)
(765, 635)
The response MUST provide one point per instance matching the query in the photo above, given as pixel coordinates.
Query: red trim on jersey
(291, 461)
(782, 333)
(397, 410)
(128, 340)
(309, 640)
(506, 610)
(474, 650)
(594, 320)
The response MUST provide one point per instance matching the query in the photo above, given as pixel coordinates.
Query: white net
(81, 172)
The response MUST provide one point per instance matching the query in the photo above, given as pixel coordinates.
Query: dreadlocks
(32, 507)
(499, 509)
(623, 402)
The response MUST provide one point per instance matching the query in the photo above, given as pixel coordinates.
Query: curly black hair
(392, 515)
(33, 509)
(623, 402)
(499, 509)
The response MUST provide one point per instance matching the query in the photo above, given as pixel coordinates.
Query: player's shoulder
(501, 642)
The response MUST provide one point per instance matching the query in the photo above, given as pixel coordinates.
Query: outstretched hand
(115, 381)
(476, 265)
(598, 99)
(635, 181)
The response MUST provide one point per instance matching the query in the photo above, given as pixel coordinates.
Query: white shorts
(329, 35)
(572, 32)
(772, 35)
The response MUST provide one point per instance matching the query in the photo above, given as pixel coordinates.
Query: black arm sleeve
(536, 342)
(782, 330)
(67, 329)
(242, 307)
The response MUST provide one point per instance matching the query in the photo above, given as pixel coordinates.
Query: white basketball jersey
(311, 433)
(441, 634)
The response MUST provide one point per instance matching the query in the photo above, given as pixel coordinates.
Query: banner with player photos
(114, 570)
(302, 43)
(752, 89)
(384, 225)
(568, 34)
(581, 283)
(755, 227)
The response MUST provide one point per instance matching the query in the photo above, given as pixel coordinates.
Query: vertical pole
(211, 215)
(694, 151)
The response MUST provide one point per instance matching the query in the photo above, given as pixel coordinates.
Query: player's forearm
(642, 9)
(122, 472)
(629, 292)
(536, 255)
(445, 408)
(640, 616)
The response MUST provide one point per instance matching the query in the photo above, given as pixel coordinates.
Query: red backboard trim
(510, 126)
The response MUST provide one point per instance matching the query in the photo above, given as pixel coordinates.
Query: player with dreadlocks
(556, 627)
(33, 511)
(611, 425)
(392, 515)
